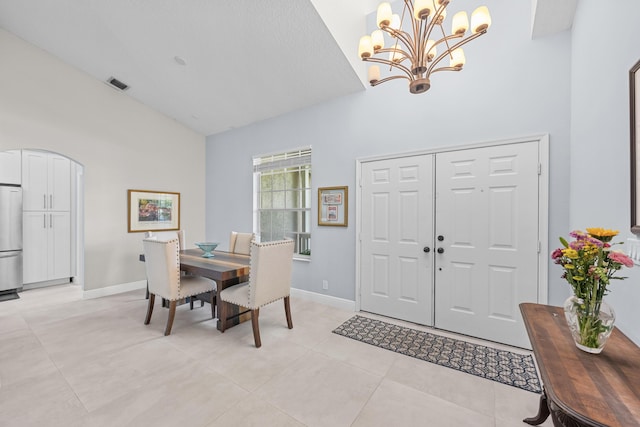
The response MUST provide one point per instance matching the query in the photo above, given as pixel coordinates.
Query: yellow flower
(569, 266)
(570, 253)
(578, 278)
(601, 232)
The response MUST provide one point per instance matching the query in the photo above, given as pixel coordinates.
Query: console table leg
(543, 412)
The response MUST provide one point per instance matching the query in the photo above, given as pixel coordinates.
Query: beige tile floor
(65, 361)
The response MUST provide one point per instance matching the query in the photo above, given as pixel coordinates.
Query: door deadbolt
(440, 238)
(440, 250)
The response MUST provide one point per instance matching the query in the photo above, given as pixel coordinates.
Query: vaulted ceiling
(216, 65)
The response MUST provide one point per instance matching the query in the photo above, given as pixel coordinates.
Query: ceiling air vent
(117, 83)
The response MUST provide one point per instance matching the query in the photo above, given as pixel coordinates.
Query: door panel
(397, 223)
(487, 211)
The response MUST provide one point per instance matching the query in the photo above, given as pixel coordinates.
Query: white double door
(451, 239)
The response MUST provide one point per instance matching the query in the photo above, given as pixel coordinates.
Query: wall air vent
(117, 83)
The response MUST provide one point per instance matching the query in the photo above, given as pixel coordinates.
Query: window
(282, 198)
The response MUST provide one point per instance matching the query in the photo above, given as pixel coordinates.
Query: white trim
(115, 289)
(437, 150)
(543, 219)
(335, 302)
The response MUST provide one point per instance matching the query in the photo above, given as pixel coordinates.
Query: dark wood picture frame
(634, 109)
(152, 211)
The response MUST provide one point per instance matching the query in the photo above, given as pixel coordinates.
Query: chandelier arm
(392, 65)
(446, 69)
(386, 79)
(389, 50)
(455, 46)
(404, 37)
(432, 23)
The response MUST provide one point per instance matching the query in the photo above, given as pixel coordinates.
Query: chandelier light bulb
(384, 15)
(377, 38)
(457, 58)
(365, 50)
(396, 56)
(422, 9)
(395, 21)
(480, 19)
(443, 13)
(374, 74)
(460, 23)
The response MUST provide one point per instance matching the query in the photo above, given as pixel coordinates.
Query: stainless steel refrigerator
(10, 238)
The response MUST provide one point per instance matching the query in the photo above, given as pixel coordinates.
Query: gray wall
(511, 87)
(122, 144)
(603, 52)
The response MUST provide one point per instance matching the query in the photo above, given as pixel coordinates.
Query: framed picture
(333, 203)
(634, 97)
(153, 211)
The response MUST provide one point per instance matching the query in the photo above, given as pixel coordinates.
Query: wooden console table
(582, 389)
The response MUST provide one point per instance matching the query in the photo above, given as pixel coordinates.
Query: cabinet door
(59, 234)
(10, 167)
(35, 246)
(59, 183)
(34, 180)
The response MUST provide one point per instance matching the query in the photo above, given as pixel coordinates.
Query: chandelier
(420, 48)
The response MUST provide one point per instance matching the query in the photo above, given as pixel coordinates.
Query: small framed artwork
(333, 206)
(634, 109)
(153, 211)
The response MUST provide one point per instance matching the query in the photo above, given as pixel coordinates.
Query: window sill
(302, 258)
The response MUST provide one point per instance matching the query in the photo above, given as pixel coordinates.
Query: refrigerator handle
(9, 254)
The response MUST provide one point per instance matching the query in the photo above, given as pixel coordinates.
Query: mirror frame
(634, 109)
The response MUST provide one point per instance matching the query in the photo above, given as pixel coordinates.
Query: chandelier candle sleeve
(414, 53)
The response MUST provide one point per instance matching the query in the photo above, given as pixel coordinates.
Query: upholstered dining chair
(269, 281)
(240, 243)
(162, 263)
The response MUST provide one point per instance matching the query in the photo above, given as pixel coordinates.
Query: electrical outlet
(325, 284)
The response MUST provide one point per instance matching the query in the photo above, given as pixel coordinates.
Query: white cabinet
(47, 246)
(10, 167)
(46, 201)
(46, 181)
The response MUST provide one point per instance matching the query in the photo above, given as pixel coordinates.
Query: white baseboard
(336, 302)
(115, 289)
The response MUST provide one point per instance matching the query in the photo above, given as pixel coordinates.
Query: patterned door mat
(503, 366)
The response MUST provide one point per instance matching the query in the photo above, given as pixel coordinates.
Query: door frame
(543, 202)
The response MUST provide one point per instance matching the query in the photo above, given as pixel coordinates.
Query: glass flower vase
(591, 324)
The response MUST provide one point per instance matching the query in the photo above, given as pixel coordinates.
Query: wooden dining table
(227, 269)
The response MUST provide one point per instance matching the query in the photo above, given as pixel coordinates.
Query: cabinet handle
(44, 220)
(44, 200)
(50, 201)
(50, 221)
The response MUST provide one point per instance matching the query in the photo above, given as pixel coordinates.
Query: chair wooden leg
(213, 304)
(152, 299)
(172, 315)
(146, 296)
(222, 315)
(287, 311)
(256, 329)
